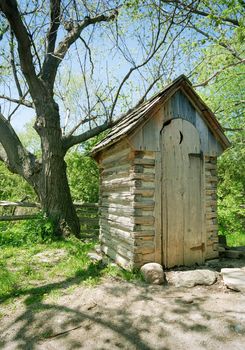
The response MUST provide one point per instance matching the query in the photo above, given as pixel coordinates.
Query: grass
(236, 240)
(46, 270)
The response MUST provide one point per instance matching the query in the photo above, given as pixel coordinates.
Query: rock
(153, 273)
(194, 277)
(94, 256)
(234, 278)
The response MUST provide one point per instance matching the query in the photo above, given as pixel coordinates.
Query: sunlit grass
(36, 272)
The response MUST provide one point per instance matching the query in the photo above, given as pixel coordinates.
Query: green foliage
(231, 192)
(83, 172)
(39, 230)
(224, 95)
(13, 187)
(83, 176)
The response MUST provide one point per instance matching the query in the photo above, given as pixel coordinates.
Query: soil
(125, 315)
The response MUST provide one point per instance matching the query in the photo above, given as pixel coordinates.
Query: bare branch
(12, 62)
(70, 141)
(52, 34)
(132, 69)
(54, 60)
(13, 153)
(21, 101)
(10, 9)
(89, 53)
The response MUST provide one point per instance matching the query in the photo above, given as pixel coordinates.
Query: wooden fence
(88, 214)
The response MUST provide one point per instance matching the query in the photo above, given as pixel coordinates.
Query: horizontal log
(211, 179)
(18, 217)
(124, 248)
(116, 169)
(144, 161)
(145, 258)
(86, 205)
(126, 263)
(145, 192)
(115, 176)
(119, 182)
(120, 225)
(19, 204)
(211, 203)
(144, 233)
(89, 221)
(119, 248)
(143, 177)
(211, 215)
(211, 228)
(210, 166)
(210, 191)
(115, 232)
(116, 157)
(144, 220)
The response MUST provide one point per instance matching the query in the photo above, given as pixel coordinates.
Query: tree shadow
(118, 314)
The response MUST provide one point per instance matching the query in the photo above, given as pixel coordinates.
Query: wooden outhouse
(158, 181)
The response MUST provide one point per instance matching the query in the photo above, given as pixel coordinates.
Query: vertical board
(158, 209)
(173, 197)
(182, 194)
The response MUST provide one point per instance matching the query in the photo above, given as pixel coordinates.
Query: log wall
(127, 190)
(211, 207)
(143, 171)
(116, 204)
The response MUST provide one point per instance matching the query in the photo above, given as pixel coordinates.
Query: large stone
(153, 273)
(193, 277)
(234, 278)
(94, 256)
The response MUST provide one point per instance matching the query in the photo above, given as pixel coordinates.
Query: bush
(27, 232)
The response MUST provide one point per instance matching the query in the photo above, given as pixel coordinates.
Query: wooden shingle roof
(128, 123)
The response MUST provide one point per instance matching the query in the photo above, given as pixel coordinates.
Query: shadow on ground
(123, 315)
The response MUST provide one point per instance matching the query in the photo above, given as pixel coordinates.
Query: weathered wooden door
(181, 194)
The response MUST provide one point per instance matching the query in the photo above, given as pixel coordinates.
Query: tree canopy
(79, 64)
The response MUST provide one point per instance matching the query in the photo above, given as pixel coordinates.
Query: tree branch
(73, 140)
(234, 129)
(54, 59)
(52, 34)
(221, 43)
(12, 62)
(13, 153)
(21, 101)
(201, 13)
(218, 72)
(10, 9)
(132, 69)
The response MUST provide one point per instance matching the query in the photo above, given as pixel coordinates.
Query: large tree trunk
(55, 197)
(53, 188)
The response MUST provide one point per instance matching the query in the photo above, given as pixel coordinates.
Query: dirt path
(122, 315)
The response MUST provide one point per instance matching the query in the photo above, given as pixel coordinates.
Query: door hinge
(199, 247)
(198, 155)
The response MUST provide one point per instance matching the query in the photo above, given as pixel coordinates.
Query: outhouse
(158, 181)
